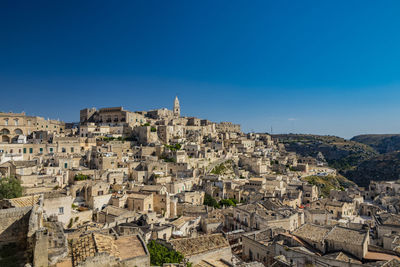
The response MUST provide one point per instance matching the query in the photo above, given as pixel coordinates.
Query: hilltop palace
(107, 190)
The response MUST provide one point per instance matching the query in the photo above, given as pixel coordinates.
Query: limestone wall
(14, 225)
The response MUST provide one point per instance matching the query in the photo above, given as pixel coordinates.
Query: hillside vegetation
(382, 143)
(385, 167)
(340, 153)
(328, 183)
(224, 168)
(361, 159)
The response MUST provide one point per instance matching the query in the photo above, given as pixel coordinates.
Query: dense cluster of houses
(98, 191)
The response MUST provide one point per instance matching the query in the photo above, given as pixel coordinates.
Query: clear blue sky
(325, 67)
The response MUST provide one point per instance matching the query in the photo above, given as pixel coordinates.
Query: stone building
(327, 239)
(13, 125)
(224, 127)
(177, 108)
(58, 205)
(111, 116)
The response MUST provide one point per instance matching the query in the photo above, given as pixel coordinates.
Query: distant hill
(382, 143)
(361, 159)
(384, 167)
(340, 153)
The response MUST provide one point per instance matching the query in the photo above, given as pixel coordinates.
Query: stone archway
(5, 139)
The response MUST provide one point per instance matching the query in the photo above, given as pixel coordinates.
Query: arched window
(4, 131)
(18, 131)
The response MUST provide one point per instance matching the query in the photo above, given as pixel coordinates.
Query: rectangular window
(65, 165)
(41, 150)
(72, 150)
(24, 150)
(61, 210)
(30, 150)
(51, 150)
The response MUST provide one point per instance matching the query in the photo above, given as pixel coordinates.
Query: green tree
(160, 254)
(10, 188)
(227, 202)
(210, 201)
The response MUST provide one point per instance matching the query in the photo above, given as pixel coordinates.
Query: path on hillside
(216, 163)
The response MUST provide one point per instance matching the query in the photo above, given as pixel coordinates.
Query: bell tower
(177, 108)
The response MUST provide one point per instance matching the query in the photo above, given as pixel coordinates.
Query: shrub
(174, 147)
(160, 254)
(167, 159)
(81, 177)
(10, 188)
(219, 169)
(227, 202)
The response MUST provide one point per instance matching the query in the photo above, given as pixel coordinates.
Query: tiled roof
(178, 223)
(340, 234)
(124, 247)
(139, 195)
(55, 194)
(27, 201)
(83, 248)
(312, 232)
(197, 245)
(111, 210)
(342, 257)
